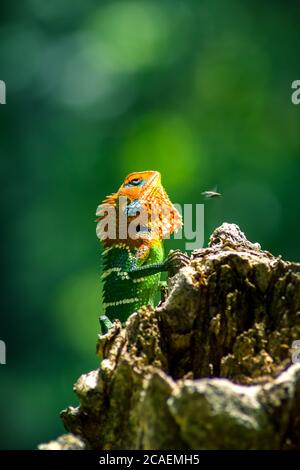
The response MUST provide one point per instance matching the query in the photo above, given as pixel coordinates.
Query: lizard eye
(135, 182)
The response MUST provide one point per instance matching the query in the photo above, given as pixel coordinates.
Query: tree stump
(210, 368)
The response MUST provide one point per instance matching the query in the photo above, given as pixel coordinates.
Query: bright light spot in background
(118, 41)
(135, 34)
(76, 310)
(87, 84)
(155, 142)
(96, 68)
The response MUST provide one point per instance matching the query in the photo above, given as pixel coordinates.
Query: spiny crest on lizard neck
(139, 213)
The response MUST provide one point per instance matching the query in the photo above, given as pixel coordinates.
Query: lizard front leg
(174, 261)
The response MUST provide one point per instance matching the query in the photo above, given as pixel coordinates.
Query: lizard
(131, 225)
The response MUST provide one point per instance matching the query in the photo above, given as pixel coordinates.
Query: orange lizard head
(143, 192)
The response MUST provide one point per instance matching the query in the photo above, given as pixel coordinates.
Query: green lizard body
(127, 287)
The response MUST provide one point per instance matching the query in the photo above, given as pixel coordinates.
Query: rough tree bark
(210, 368)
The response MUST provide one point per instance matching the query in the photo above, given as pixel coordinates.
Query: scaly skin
(132, 265)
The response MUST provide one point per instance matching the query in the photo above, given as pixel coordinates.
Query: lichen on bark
(210, 368)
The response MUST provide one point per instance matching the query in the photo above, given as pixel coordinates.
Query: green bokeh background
(199, 90)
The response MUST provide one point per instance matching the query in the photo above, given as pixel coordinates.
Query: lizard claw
(175, 261)
(105, 325)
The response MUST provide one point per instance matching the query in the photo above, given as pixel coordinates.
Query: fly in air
(211, 194)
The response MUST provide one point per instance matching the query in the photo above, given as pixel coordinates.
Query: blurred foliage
(199, 90)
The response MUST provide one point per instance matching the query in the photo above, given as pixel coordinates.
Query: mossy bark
(210, 368)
